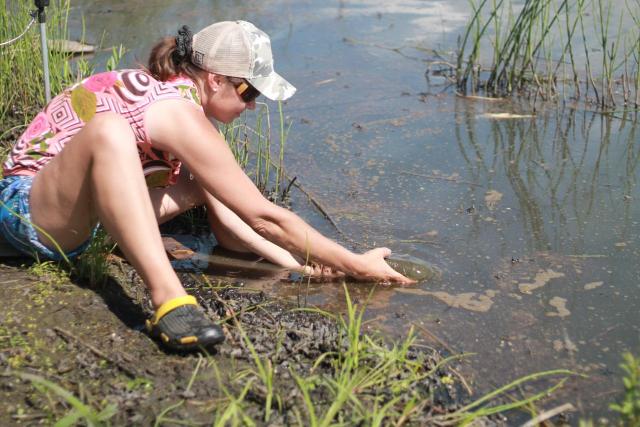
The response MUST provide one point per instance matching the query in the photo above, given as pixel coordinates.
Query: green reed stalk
(531, 52)
(232, 411)
(283, 139)
(21, 74)
(267, 151)
(475, 409)
(463, 76)
(80, 410)
(571, 29)
(496, 31)
(472, 61)
(603, 29)
(265, 372)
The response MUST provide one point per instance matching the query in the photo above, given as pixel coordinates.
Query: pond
(532, 221)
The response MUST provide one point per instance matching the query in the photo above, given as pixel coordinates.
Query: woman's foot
(180, 324)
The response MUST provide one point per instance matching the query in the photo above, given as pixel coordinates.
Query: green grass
(256, 151)
(535, 51)
(80, 411)
(93, 264)
(21, 74)
(22, 92)
(629, 407)
(366, 382)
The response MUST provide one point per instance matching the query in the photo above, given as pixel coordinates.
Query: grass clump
(553, 49)
(21, 73)
(629, 407)
(350, 378)
(258, 154)
(22, 92)
(79, 411)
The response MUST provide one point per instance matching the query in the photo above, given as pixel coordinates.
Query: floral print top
(125, 92)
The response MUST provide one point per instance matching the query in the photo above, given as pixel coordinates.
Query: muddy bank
(90, 342)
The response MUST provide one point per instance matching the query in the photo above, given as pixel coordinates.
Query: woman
(131, 149)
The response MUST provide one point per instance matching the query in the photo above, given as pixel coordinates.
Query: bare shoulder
(176, 121)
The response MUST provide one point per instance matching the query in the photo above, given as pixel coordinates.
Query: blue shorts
(15, 220)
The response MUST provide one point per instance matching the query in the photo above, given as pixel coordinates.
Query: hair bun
(184, 40)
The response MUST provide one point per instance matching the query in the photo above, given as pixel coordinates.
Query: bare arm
(223, 218)
(181, 129)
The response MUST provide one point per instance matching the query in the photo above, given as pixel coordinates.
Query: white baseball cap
(240, 49)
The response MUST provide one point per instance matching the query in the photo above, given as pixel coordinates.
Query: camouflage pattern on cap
(240, 49)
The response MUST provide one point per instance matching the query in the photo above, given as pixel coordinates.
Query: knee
(194, 194)
(110, 132)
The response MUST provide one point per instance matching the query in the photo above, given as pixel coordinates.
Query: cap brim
(273, 87)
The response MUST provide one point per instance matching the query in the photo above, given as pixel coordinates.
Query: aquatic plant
(253, 146)
(80, 411)
(264, 372)
(93, 264)
(629, 407)
(532, 50)
(363, 380)
(21, 73)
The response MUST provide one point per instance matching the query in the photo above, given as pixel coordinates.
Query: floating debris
(593, 285)
(324, 82)
(492, 198)
(503, 116)
(478, 98)
(471, 301)
(561, 305)
(70, 46)
(541, 279)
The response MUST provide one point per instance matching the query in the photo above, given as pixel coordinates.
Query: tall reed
(21, 73)
(255, 151)
(530, 49)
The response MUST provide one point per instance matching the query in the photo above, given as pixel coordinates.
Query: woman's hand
(321, 272)
(375, 268)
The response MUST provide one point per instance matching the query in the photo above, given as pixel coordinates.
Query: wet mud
(90, 341)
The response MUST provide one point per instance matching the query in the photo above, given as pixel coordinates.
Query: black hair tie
(184, 40)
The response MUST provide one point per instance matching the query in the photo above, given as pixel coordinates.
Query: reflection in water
(559, 167)
(572, 179)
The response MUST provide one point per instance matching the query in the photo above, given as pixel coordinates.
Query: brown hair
(164, 63)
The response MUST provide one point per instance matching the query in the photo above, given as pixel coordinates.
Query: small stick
(314, 202)
(548, 414)
(426, 242)
(69, 336)
(443, 178)
(405, 417)
(478, 97)
(462, 380)
(435, 338)
(324, 212)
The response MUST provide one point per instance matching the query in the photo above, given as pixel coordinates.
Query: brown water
(532, 221)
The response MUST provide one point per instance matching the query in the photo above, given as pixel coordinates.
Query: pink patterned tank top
(125, 92)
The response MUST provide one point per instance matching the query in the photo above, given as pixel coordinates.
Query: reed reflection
(566, 170)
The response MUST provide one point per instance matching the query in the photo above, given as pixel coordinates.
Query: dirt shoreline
(89, 340)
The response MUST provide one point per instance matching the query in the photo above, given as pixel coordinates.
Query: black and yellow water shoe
(180, 325)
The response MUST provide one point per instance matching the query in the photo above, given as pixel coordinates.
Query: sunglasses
(247, 92)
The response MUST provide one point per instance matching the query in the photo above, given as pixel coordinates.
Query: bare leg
(99, 176)
(230, 231)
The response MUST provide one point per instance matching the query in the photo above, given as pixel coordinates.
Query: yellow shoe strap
(171, 305)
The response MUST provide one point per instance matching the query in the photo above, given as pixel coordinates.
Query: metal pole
(42, 19)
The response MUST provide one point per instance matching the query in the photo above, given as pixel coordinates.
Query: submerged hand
(376, 268)
(319, 271)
